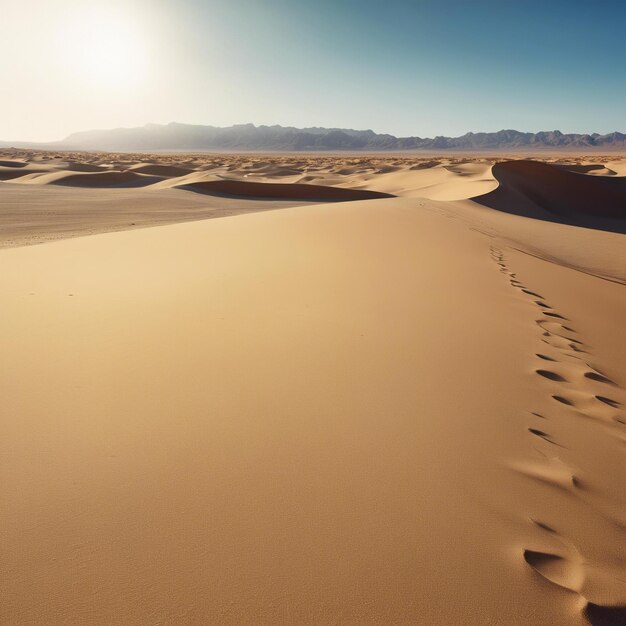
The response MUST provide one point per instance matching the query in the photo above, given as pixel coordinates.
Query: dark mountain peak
(248, 137)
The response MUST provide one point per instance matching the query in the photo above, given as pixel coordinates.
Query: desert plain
(312, 389)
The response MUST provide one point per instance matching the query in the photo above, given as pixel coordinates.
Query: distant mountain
(248, 137)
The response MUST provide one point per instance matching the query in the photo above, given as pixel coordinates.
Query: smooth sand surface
(390, 411)
(36, 214)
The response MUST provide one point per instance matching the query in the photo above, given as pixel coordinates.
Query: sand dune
(594, 169)
(155, 169)
(214, 182)
(70, 178)
(10, 173)
(397, 410)
(277, 190)
(536, 189)
(440, 182)
(74, 166)
(12, 163)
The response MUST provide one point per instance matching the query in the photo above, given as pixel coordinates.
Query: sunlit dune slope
(363, 413)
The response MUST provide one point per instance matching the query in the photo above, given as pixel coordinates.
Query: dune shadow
(282, 191)
(551, 193)
(585, 169)
(109, 179)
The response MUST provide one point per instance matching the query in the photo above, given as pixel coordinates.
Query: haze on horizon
(408, 68)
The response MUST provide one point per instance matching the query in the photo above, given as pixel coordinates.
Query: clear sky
(407, 67)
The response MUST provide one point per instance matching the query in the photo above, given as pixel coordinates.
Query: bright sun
(105, 49)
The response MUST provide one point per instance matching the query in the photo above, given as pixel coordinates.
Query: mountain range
(248, 137)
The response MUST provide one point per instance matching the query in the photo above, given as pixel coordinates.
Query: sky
(405, 67)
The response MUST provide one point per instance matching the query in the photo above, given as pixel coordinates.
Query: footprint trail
(577, 391)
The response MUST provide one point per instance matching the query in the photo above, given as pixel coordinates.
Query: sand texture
(396, 398)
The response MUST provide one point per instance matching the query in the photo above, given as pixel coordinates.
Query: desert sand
(395, 398)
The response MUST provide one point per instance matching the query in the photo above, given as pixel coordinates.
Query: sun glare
(105, 49)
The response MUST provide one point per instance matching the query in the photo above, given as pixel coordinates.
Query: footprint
(576, 341)
(543, 525)
(552, 472)
(560, 341)
(557, 569)
(551, 376)
(545, 357)
(555, 328)
(542, 435)
(612, 403)
(531, 293)
(563, 400)
(598, 378)
(551, 314)
(575, 348)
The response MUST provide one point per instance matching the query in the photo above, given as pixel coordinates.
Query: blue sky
(422, 68)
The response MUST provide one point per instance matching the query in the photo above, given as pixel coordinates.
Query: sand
(400, 410)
